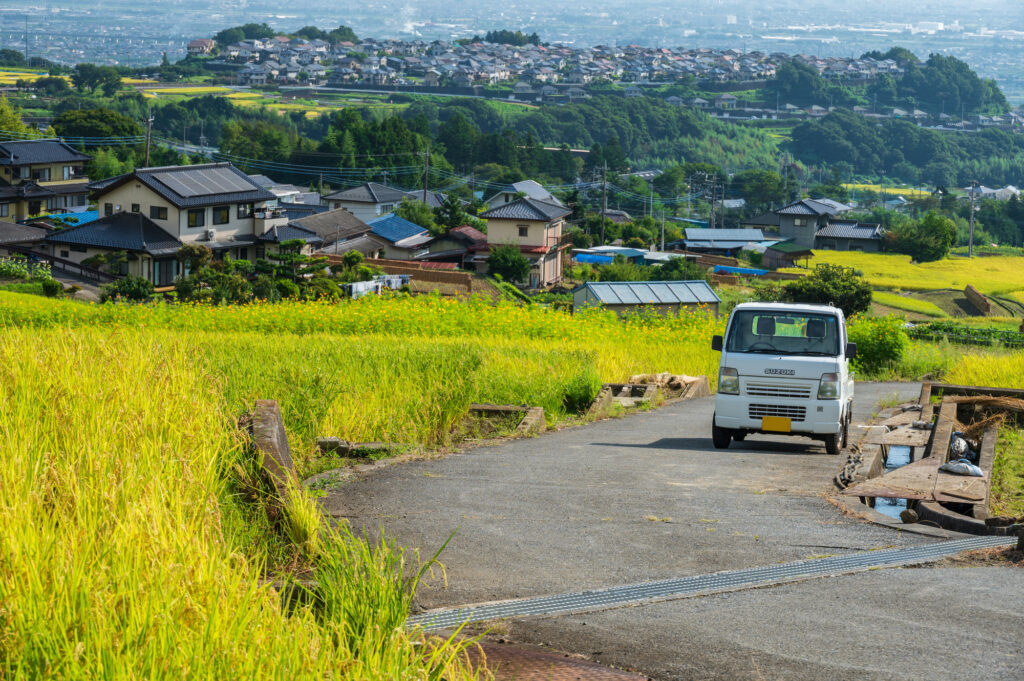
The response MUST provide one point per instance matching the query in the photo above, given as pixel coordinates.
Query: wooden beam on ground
(914, 481)
(907, 436)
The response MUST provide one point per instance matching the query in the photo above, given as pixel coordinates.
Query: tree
(450, 213)
(10, 118)
(95, 123)
(796, 83)
(418, 213)
(131, 289)
(679, 269)
(831, 285)
(762, 189)
(924, 241)
(508, 262)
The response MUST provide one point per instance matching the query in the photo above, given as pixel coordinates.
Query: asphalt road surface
(646, 497)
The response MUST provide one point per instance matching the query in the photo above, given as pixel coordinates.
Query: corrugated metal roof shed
(653, 292)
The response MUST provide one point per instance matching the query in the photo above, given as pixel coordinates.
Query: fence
(416, 271)
(62, 265)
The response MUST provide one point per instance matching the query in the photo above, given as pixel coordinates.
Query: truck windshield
(784, 333)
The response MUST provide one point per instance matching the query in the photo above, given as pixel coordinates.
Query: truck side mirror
(851, 350)
(716, 343)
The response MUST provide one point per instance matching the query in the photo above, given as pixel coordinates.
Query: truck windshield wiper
(818, 353)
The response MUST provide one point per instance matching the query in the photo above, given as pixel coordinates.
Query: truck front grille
(758, 411)
(799, 392)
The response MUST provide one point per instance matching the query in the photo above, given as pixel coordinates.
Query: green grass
(901, 302)
(1007, 492)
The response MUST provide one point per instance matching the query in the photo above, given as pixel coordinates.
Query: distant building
(633, 297)
(535, 227)
(39, 177)
(202, 46)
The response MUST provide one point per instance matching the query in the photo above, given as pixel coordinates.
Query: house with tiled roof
(535, 227)
(816, 223)
(213, 204)
(368, 201)
(40, 177)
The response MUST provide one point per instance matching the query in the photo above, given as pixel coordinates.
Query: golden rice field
(10, 77)
(895, 272)
(907, 192)
(899, 302)
(190, 90)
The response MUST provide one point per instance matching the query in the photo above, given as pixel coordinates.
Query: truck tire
(836, 443)
(739, 435)
(720, 437)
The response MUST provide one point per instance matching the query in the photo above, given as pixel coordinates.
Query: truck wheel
(835, 443)
(720, 437)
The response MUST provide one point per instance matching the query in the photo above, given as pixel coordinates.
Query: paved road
(646, 497)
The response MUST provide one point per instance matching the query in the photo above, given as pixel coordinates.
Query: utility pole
(970, 238)
(149, 133)
(202, 136)
(426, 174)
(662, 227)
(604, 198)
(652, 198)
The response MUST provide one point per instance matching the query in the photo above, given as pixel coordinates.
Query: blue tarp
(594, 258)
(747, 271)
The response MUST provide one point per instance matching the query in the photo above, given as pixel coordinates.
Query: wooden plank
(985, 461)
(943, 429)
(960, 488)
(910, 437)
(953, 389)
(925, 400)
(914, 481)
(902, 419)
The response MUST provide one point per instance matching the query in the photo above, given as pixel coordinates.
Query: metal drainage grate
(700, 585)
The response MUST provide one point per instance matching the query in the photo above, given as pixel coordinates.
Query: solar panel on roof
(204, 182)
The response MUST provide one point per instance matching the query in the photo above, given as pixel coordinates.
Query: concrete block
(334, 445)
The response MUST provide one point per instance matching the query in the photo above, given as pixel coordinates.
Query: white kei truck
(785, 370)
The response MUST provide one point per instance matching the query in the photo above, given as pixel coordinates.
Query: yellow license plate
(777, 424)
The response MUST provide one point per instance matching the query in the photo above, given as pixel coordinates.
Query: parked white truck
(785, 369)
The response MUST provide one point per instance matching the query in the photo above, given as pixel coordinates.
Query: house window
(24, 172)
(524, 230)
(244, 211)
(221, 215)
(385, 208)
(65, 254)
(261, 252)
(53, 203)
(197, 217)
(41, 174)
(136, 208)
(799, 222)
(243, 253)
(69, 172)
(108, 209)
(5, 210)
(158, 212)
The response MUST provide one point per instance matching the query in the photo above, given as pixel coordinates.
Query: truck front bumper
(807, 417)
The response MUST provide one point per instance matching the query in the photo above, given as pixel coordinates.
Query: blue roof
(655, 292)
(394, 228)
(594, 258)
(83, 218)
(750, 271)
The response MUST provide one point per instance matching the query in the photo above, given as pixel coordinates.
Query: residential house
(214, 204)
(367, 201)
(527, 188)
(458, 245)
(39, 177)
(333, 226)
(200, 47)
(800, 220)
(720, 241)
(535, 227)
(848, 235)
(399, 239)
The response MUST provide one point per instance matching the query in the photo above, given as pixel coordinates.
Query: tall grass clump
(122, 554)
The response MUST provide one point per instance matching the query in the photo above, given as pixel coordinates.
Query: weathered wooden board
(902, 419)
(910, 437)
(960, 488)
(914, 481)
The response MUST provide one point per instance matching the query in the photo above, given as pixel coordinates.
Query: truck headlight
(728, 381)
(828, 389)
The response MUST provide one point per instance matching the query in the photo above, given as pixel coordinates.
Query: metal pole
(604, 198)
(149, 133)
(970, 238)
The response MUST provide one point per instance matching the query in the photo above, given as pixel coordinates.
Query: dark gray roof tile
(526, 209)
(121, 231)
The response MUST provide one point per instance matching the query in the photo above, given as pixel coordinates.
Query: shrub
(14, 268)
(134, 289)
(287, 288)
(831, 285)
(581, 390)
(509, 262)
(265, 289)
(52, 288)
(881, 342)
